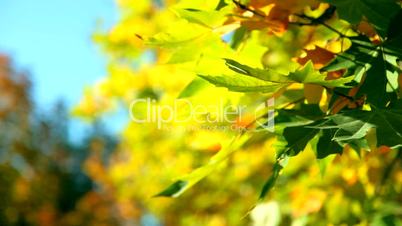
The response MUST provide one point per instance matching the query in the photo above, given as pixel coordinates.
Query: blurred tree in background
(42, 179)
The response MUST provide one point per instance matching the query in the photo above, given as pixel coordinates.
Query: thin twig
(244, 7)
(339, 94)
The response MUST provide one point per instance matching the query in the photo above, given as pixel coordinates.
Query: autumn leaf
(319, 56)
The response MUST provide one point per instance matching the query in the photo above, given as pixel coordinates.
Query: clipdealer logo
(162, 114)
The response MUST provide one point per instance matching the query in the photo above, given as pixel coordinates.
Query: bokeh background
(51, 42)
(70, 156)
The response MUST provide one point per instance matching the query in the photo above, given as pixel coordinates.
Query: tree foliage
(333, 68)
(45, 178)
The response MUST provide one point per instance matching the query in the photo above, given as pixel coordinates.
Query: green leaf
(193, 87)
(298, 137)
(326, 146)
(209, 44)
(356, 59)
(393, 44)
(363, 58)
(173, 189)
(266, 75)
(239, 36)
(180, 33)
(270, 183)
(354, 125)
(206, 5)
(281, 161)
(241, 83)
(351, 125)
(378, 12)
(305, 114)
(394, 29)
(251, 79)
(221, 4)
(190, 46)
(210, 19)
(375, 84)
(309, 75)
(186, 53)
(185, 182)
(189, 38)
(311, 112)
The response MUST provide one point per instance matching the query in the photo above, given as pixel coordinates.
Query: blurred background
(51, 43)
(69, 155)
(47, 58)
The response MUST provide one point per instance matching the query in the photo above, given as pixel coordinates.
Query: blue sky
(51, 39)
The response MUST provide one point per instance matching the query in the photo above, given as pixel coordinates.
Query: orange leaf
(319, 56)
(334, 74)
(366, 28)
(342, 102)
(271, 17)
(400, 82)
(313, 93)
(244, 121)
(259, 3)
(214, 148)
(384, 149)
